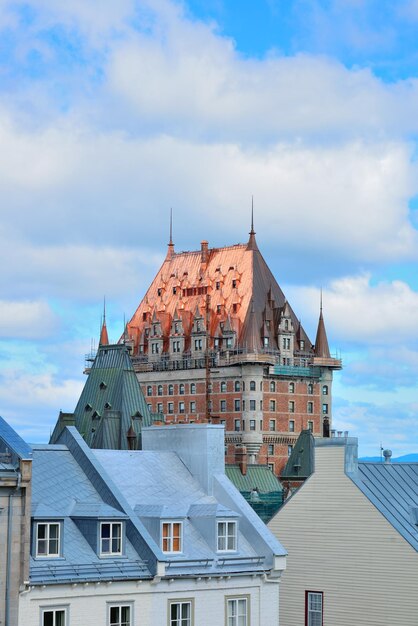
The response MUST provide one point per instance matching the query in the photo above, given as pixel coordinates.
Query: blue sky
(112, 112)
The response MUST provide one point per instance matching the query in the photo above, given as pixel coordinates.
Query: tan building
(215, 339)
(351, 531)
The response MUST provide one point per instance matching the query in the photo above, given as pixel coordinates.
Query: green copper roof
(269, 497)
(301, 461)
(111, 401)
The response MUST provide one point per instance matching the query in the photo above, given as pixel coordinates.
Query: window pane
(126, 616)
(48, 618)
(59, 618)
(41, 531)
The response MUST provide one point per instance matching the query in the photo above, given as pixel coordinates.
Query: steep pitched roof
(234, 276)
(321, 341)
(111, 402)
(300, 463)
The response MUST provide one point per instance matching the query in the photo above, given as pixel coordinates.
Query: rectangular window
(227, 536)
(310, 407)
(110, 538)
(180, 613)
(314, 607)
(252, 424)
(160, 407)
(272, 424)
(181, 407)
(271, 449)
(237, 405)
(120, 615)
(237, 425)
(289, 449)
(252, 405)
(291, 426)
(310, 426)
(192, 407)
(272, 405)
(325, 408)
(171, 407)
(223, 406)
(237, 612)
(48, 539)
(291, 406)
(171, 536)
(54, 617)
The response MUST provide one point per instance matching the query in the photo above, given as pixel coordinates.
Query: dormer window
(48, 539)
(302, 344)
(110, 538)
(107, 405)
(171, 537)
(227, 536)
(234, 284)
(159, 291)
(103, 385)
(88, 407)
(286, 324)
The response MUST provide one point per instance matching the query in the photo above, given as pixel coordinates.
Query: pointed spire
(321, 341)
(252, 244)
(170, 251)
(104, 338)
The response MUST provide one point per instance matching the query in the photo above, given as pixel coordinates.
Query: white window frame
(314, 612)
(110, 539)
(47, 539)
(226, 535)
(237, 610)
(54, 610)
(170, 537)
(181, 620)
(120, 606)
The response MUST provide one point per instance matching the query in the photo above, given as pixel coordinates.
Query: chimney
(241, 458)
(387, 454)
(204, 251)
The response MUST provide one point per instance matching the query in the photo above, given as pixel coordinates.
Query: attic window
(159, 291)
(103, 385)
(218, 308)
(185, 273)
(144, 317)
(174, 290)
(234, 308)
(231, 267)
(96, 415)
(218, 269)
(234, 284)
(88, 407)
(107, 405)
(218, 285)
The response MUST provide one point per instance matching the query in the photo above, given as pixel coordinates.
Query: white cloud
(26, 319)
(357, 311)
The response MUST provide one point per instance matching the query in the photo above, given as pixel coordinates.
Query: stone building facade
(214, 339)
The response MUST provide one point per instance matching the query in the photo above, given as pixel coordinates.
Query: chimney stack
(241, 458)
(204, 251)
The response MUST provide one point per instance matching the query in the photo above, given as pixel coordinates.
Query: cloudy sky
(113, 111)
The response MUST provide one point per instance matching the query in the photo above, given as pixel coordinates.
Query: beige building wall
(340, 544)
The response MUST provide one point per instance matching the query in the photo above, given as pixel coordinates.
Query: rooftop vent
(387, 454)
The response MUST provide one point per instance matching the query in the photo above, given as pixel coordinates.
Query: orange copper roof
(236, 278)
(104, 339)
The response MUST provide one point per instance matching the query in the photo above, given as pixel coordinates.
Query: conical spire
(170, 251)
(104, 338)
(252, 244)
(321, 341)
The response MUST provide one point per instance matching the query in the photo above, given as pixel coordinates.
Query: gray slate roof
(393, 489)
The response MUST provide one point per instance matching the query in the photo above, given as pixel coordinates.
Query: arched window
(181, 389)
(252, 385)
(160, 390)
(324, 390)
(223, 386)
(170, 390)
(310, 389)
(272, 385)
(192, 388)
(237, 385)
(291, 387)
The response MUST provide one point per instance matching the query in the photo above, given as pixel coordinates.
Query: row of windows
(272, 425)
(180, 613)
(48, 538)
(237, 387)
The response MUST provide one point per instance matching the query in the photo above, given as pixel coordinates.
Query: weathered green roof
(111, 401)
(257, 476)
(269, 497)
(301, 461)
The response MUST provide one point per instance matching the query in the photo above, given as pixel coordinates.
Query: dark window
(252, 385)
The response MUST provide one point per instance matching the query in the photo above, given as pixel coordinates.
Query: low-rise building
(351, 530)
(152, 536)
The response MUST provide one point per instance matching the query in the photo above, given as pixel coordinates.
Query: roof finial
(104, 338)
(320, 302)
(170, 251)
(104, 308)
(252, 232)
